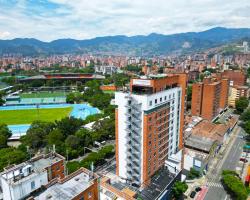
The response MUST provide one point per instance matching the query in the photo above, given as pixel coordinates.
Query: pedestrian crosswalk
(213, 184)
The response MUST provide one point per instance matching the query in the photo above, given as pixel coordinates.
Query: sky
(48, 20)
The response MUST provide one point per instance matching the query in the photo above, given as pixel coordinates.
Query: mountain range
(153, 44)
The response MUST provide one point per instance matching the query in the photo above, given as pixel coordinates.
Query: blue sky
(81, 19)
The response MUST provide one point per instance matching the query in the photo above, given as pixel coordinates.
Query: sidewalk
(222, 154)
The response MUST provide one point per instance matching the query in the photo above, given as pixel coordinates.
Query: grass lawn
(43, 94)
(109, 92)
(10, 117)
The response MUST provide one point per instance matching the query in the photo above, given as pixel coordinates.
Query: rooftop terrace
(69, 187)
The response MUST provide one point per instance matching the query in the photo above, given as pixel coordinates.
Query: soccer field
(10, 117)
(43, 94)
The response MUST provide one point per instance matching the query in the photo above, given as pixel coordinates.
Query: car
(192, 195)
(198, 189)
(244, 160)
(247, 137)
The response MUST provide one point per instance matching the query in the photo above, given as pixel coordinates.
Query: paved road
(229, 161)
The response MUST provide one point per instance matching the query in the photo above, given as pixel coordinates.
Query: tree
(70, 98)
(97, 158)
(189, 93)
(179, 189)
(55, 137)
(37, 134)
(248, 72)
(1, 99)
(72, 142)
(120, 79)
(233, 185)
(104, 129)
(3, 141)
(241, 104)
(4, 130)
(201, 77)
(246, 127)
(68, 126)
(245, 116)
(10, 156)
(5, 133)
(193, 173)
(84, 137)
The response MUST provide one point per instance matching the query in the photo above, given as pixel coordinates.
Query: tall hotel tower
(149, 125)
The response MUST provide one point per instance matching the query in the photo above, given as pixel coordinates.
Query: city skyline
(84, 20)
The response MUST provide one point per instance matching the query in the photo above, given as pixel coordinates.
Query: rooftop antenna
(54, 149)
(28, 150)
(92, 168)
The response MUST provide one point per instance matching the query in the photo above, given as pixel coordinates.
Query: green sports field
(43, 94)
(10, 117)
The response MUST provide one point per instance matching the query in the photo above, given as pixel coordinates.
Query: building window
(160, 99)
(89, 194)
(32, 185)
(82, 198)
(155, 101)
(150, 103)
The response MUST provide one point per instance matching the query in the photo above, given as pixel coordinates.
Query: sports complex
(20, 110)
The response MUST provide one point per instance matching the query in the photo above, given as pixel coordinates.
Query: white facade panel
(24, 187)
(147, 102)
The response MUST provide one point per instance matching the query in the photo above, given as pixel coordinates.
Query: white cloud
(82, 19)
(4, 34)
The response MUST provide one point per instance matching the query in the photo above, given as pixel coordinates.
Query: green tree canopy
(72, 142)
(3, 141)
(234, 185)
(68, 126)
(241, 104)
(1, 99)
(246, 127)
(4, 130)
(178, 189)
(245, 116)
(10, 156)
(84, 137)
(37, 134)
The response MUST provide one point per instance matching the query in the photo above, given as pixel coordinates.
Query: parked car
(192, 195)
(198, 189)
(244, 160)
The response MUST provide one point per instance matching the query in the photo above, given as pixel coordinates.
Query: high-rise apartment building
(236, 77)
(209, 98)
(149, 125)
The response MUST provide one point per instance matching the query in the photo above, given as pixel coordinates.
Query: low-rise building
(19, 181)
(198, 152)
(105, 69)
(159, 188)
(236, 92)
(110, 87)
(82, 184)
(207, 129)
